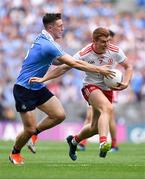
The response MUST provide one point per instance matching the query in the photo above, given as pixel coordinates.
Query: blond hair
(99, 32)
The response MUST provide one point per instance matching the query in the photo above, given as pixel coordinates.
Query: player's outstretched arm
(84, 66)
(70, 62)
(51, 74)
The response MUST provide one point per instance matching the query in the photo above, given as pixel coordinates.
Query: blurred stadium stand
(20, 22)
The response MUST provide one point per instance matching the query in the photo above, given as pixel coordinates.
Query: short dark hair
(112, 33)
(49, 18)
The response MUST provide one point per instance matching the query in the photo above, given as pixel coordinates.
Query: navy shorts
(28, 100)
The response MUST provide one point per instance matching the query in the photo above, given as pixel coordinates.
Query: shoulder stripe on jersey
(114, 50)
(113, 46)
(85, 50)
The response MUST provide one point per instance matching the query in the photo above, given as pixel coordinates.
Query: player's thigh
(98, 100)
(28, 119)
(52, 107)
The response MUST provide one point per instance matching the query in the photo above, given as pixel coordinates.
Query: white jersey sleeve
(116, 54)
(120, 56)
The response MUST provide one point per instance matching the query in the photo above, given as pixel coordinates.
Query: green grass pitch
(52, 162)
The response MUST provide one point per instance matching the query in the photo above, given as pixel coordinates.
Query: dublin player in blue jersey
(43, 52)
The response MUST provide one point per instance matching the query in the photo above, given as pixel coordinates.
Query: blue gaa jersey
(39, 58)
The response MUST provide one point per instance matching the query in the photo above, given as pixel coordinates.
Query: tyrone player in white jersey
(112, 123)
(100, 52)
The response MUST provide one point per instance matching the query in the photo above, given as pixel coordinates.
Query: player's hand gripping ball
(113, 82)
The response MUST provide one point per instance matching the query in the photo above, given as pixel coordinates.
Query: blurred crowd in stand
(20, 22)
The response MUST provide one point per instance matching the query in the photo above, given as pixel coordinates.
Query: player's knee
(107, 109)
(59, 117)
(30, 130)
(110, 109)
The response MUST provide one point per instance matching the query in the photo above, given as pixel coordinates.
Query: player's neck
(48, 34)
(97, 51)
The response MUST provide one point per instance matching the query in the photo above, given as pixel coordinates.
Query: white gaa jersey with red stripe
(112, 56)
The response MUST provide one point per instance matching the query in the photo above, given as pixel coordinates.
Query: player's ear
(95, 40)
(49, 27)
